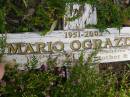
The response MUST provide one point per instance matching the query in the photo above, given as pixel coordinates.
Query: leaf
(25, 3)
(53, 26)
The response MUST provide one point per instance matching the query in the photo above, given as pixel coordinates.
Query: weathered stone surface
(114, 46)
(78, 16)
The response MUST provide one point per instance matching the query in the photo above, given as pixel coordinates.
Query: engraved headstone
(114, 46)
(78, 16)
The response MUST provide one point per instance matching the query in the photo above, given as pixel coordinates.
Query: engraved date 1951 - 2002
(79, 34)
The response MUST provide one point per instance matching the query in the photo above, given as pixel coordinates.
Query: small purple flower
(48, 96)
(62, 73)
(44, 67)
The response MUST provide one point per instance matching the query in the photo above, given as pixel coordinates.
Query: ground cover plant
(80, 80)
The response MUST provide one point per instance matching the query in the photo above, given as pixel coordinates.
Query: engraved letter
(14, 48)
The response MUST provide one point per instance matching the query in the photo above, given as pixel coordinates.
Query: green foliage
(109, 15)
(2, 20)
(32, 63)
(32, 15)
(2, 46)
(83, 81)
(39, 15)
(27, 83)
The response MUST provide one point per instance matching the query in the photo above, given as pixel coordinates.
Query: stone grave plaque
(114, 46)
